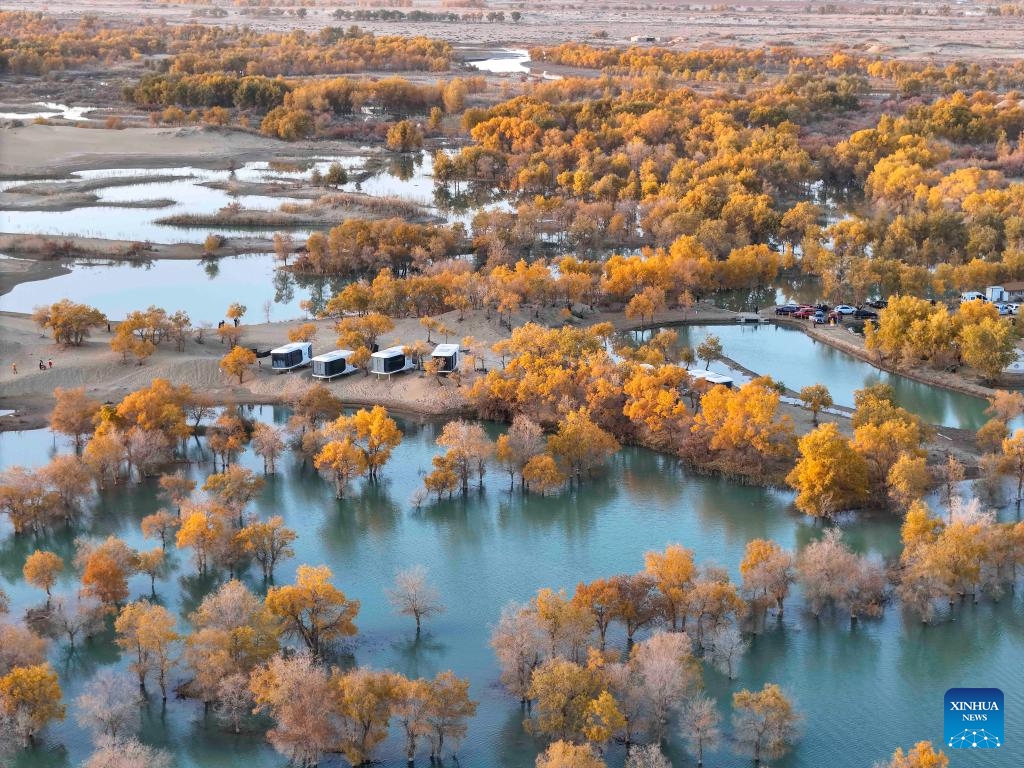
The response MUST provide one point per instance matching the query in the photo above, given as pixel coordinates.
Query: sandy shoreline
(37, 257)
(98, 369)
(52, 151)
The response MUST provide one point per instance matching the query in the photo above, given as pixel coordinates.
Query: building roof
(1016, 285)
(292, 347)
(389, 352)
(337, 354)
(711, 376)
(445, 350)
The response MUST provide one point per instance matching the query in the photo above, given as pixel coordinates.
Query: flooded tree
(109, 705)
(41, 570)
(313, 610)
(649, 756)
(518, 642)
(268, 443)
(564, 754)
(699, 725)
(764, 723)
(268, 542)
(412, 595)
(296, 693)
(31, 697)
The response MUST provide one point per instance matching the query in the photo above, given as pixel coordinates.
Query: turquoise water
(794, 358)
(863, 690)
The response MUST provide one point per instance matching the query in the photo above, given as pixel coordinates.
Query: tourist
(49, 362)
(14, 368)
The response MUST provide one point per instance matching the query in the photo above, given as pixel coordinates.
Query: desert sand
(901, 31)
(48, 151)
(104, 376)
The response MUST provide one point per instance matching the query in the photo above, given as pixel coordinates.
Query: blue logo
(974, 718)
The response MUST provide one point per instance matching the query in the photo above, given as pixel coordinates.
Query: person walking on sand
(42, 366)
(14, 368)
(49, 362)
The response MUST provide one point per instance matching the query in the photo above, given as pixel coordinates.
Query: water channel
(794, 358)
(862, 690)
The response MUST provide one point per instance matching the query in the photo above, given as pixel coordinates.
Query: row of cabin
(384, 362)
(394, 360)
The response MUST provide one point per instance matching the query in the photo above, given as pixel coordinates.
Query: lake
(862, 690)
(202, 288)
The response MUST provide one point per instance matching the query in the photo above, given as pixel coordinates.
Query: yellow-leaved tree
(312, 609)
(830, 475)
(237, 362)
(31, 696)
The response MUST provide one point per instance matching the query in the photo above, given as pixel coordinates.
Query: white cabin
(331, 364)
(449, 357)
(388, 361)
(298, 354)
(968, 296)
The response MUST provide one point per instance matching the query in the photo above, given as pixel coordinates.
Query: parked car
(1004, 309)
(822, 307)
(865, 314)
(1014, 308)
(786, 309)
(879, 304)
(819, 318)
(845, 309)
(804, 313)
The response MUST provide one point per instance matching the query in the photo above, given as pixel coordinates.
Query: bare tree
(126, 753)
(518, 642)
(649, 756)
(147, 450)
(20, 647)
(952, 474)
(72, 617)
(830, 573)
(295, 692)
(234, 700)
(414, 596)
(268, 443)
(666, 664)
(699, 725)
(724, 647)
(109, 706)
